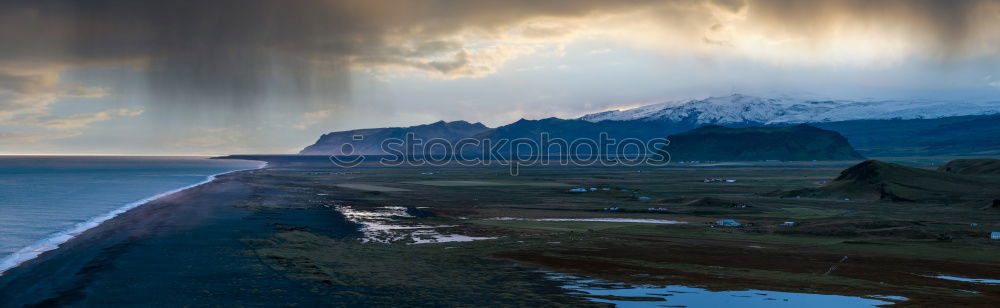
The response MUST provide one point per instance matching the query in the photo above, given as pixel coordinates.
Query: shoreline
(55, 241)
(268, 237)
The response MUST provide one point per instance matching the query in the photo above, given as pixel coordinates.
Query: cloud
(471, 63)
(949, 26)
(72, 122)
(22, 92)
(541, 31)
(31, 138)
(731, 6)
(311, 118)
(210, 138)
(232, 54)
(213, 140)
(215, 49)
(27, 95)
(229, 52)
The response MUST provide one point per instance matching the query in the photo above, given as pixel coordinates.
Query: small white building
(578, 190)
(726, 222)
(723, 180)
(789, 224)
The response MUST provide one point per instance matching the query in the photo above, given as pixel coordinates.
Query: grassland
(891, 248)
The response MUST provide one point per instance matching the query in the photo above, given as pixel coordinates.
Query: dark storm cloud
(233, 51)
(230, 51)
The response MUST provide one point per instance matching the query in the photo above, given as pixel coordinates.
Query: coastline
(216, 245)
(56, 241)
(65, 275)
(268, 238)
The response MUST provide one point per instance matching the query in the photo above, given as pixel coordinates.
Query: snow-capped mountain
(743, 109)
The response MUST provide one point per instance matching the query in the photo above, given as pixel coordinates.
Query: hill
(982, 167)
(792, 143)
(877, 180)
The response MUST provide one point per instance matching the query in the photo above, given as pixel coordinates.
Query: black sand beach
(197, 247)
(166, 251)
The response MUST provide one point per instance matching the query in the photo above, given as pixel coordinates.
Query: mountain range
(738, 109)
(873, 128)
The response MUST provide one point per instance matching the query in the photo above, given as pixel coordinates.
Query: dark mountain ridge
(964, 135)
(791, 143)
(369, 141)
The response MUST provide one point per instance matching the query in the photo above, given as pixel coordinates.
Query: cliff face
(793, 143)
(368, 141)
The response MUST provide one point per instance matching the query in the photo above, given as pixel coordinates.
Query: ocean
(47, 200)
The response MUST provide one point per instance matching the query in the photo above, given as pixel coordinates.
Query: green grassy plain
(891, 247)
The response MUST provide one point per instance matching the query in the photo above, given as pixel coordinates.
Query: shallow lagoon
(624, 295)
(972, 280)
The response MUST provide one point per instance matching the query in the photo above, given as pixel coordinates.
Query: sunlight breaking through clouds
(270, 60)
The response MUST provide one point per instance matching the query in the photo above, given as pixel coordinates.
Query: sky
(145, 77)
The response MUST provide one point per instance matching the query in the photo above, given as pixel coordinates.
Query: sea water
(45, 201)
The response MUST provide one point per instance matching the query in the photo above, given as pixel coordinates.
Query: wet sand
(181, 249)
(231, 242)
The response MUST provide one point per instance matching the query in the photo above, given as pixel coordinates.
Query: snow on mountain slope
(738, 108)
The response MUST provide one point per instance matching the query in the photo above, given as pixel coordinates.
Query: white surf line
(53, 241)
